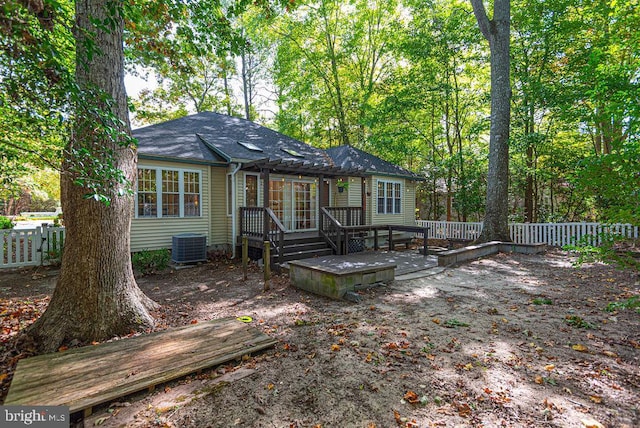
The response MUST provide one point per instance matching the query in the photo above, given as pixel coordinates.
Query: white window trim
(181, 172)
(378, 181)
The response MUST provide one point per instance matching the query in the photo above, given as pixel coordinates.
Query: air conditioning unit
(189, 248)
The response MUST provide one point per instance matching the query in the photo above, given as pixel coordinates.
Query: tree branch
(481, 16)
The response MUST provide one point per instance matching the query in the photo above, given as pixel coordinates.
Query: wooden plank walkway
(85, 377)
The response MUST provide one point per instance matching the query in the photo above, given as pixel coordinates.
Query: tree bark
(496, 31)
(96, 296)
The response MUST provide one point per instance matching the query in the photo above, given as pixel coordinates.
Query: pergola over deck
(309, 169)
(339, 226)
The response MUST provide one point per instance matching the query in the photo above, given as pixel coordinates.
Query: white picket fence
(554, 234)
(41, 245)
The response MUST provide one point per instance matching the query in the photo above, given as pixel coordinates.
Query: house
(212, 175)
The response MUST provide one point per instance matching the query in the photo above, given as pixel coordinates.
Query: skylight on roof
(292, 152)
(250, 146)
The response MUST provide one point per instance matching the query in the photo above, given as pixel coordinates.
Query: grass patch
(542, 301)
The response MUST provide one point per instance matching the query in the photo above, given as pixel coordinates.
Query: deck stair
(304, 247)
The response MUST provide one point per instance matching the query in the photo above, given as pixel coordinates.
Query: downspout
(234, 217)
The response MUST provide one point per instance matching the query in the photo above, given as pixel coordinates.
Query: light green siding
(157, 233)
(349, 197)
(220, 222)
(408, 214)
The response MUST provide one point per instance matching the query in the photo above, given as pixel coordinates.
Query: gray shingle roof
(350, 157)
(215, 137)
(212, 138)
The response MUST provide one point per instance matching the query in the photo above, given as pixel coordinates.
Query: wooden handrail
(279, 231)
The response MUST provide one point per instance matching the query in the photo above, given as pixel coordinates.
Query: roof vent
(189, 248)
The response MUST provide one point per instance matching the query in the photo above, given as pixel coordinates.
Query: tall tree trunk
(246, 85)
(96, 296)
(528, 191)
(496, 31)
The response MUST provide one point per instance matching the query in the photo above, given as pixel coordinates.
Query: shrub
(150, 261)
(5, 223)
(613, 249)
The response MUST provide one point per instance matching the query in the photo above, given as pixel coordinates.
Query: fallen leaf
(270, 386)
(463, 409)
(595, 398)
(396, 416)
(436, 320)
(411, 397)
(579, 348)
(63, 348)
(194, 321)
(549, 367)
(610, 354)
(335, 347)
(591, 423)
(100, 421)
(539, 380)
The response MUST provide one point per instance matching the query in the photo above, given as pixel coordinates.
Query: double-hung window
(389, 197)
(168, 193)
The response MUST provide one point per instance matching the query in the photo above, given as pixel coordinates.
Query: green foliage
(607, 248)
(542, 301)
(630, 303)
(150, 261)
(453, 323)
(6, 223)
(576, 321)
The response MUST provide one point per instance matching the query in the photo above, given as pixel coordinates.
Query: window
(147, 193)
(251, 190)
(292, 152)
(191, 194)
(389, 197)
(168, 193)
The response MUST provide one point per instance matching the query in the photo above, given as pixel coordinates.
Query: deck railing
(554, 234)
(347, 216)
(345, 239)
(31, 247)
(252, 221)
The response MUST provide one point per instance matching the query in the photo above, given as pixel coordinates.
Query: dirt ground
(509, 340)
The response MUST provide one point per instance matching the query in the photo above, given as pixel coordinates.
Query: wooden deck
(85, 377)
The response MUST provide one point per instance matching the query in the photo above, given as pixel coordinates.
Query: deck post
(245, 256)
(266, 251)
(425, 250)
(265, 204)
(346, 241)
(376, 247)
